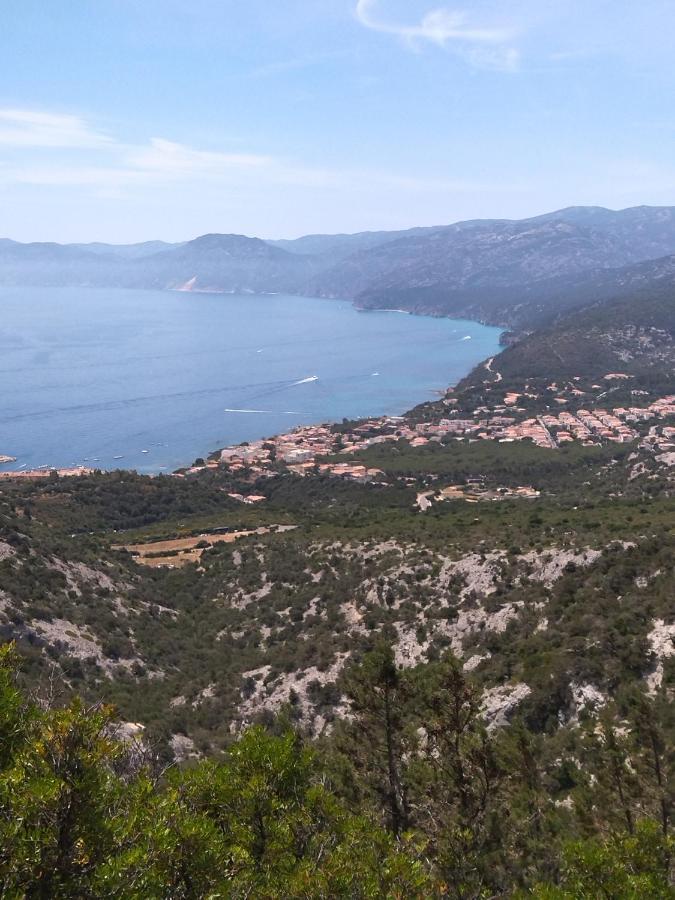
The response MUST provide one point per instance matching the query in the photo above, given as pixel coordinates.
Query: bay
(150, 380)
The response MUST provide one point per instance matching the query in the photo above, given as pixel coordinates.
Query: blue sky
(125, 120)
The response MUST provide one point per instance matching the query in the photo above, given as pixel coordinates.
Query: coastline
(414, 363)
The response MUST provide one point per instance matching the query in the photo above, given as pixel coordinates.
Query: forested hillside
(632, 334)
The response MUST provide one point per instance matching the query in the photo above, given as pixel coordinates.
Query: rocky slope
(523, 592)
(632, 333)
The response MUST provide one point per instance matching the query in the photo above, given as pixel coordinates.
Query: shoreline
(29, 467)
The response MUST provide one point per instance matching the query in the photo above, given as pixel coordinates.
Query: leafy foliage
(78, 818)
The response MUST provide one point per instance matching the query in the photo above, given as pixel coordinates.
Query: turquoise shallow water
(97, 377)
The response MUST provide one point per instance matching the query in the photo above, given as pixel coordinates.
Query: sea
(151, 380)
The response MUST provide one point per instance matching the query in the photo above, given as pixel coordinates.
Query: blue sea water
(152, 379)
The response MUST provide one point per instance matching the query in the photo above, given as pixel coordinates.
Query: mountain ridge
(512, 273)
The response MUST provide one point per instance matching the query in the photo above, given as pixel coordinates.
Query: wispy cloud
(67, 152)
(31, 128)
(486, 47)
(46, 148)
(297, 63)
(163, 157)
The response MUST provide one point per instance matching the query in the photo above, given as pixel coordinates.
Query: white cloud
(36, 147)
(484, 47)
(31, 128)
(162, 157)
(297, 63)
(110, 167)
(439, 26)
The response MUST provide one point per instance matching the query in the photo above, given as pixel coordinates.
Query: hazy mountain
(127, 251)
(527, 305)
(498, 254)
(54, 265)
(339, 246)
(211, 262)
(225, 262)
(513, 273)
(646, 231)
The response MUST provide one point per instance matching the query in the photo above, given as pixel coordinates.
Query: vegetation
(469, 701)
(493, 463)
(633, 334)
(85, 811)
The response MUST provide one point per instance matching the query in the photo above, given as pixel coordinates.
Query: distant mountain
(540, 304)
(632, 333)
(473, 256)
(126, 251)
(339, 246)
(225, 262)
(529, 305)
(519, 274)
(214, 262)
(643, 231)
(488, 266)
(53, 265)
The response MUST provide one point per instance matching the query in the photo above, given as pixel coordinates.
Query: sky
(131, 120)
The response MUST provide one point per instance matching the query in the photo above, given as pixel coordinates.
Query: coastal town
(306, 449)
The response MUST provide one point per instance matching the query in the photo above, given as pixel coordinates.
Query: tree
(622, 867)
(59, 802)
(613, 785)
(76, 822)
(461, 798)
(377, 737)
(655, 756)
